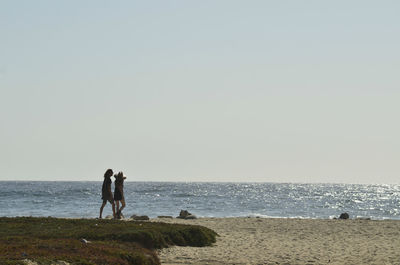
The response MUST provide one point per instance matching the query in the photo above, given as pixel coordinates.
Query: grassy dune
(111, 241)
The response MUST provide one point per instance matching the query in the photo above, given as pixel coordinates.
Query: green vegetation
(111, 241)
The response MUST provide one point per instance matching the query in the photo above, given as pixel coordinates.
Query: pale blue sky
(286, 91)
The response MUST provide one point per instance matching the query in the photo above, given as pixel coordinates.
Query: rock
(191, 216)
(60, 262)
(29, 262)
(344, 216)
(109, 217)
(183, 214)
(85, 241)
(140, 218)
(165, 216)
(186, 215)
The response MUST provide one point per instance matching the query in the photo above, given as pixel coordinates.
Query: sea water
(288, 200)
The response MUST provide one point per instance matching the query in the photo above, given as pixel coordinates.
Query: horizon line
(181, 181)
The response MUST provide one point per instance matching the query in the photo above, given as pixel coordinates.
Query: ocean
(269, 200)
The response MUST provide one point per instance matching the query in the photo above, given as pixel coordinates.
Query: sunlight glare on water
(83, 199)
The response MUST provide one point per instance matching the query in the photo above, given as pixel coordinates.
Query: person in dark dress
(106, 194)
(119, 192)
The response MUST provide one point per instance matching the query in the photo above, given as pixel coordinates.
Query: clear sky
(282, 91)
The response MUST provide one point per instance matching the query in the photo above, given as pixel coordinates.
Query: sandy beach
(291, 241)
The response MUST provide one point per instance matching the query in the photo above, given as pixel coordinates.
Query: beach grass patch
(45, 240)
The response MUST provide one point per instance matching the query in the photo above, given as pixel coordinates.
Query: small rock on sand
(344, 216)
(140, 218)
(186, 215)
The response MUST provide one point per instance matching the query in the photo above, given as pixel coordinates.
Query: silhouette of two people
(107, 195)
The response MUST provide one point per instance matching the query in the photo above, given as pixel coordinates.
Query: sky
(244, 91)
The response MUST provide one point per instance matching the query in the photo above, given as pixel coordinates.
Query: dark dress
(106, 194)
(119, 190)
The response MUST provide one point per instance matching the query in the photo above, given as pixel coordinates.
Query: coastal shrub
(111, 241)
(45, 251)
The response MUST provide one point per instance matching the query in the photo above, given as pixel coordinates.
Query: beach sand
(291, 241)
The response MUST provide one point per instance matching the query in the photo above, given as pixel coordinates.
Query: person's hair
(108, 173)
(119, 178)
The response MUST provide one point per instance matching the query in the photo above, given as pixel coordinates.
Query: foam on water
(265, 200)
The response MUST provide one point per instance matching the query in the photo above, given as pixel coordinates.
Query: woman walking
(119, 192)
(106, 194)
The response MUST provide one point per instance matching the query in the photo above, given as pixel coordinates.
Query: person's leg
(122, 204)
(113, 207)
(101, 208)
(117, 209)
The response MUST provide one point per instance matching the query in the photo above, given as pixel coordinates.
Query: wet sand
(291, 241)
